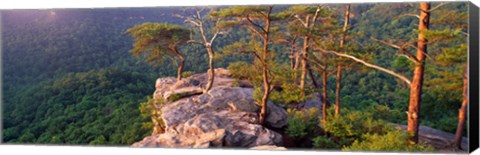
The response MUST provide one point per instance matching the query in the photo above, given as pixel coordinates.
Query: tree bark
(462, 112)
(303, 75)
(345, 25)
(339, 67)
(211, 72)
(417, 80)
(324, 94)
(337, 90)
(304, 55)
(182, 62)
(266, 83)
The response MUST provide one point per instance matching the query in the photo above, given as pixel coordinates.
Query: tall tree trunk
(417, 80)
(462, 112)
(339, 67)
(345, 25)
(304, 55)
(337, 90)
(306, 39)
(292, 53)
(324, 93)
(266, 83)
(211, 72)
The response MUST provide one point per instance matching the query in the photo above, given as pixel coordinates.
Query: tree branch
(300, 20)
(436, 7)
(316, 15)
(406, 80)
(405, 15)
(415, 47)
(331, 72)
(401, 48)
(255, 31)
(195, 42)
(256, 25)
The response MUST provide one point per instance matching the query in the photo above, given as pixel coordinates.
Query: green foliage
(187, 74)
(395, 140)
(81, 108)
(353, 124)
(288, 91)
(386, 113)
(155, 41)
(290, 94)
(151, 110)
(98, 141)
(324, 142)
(243, 70)
(302, 123)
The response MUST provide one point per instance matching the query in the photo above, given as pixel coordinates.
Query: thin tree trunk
(211, 72)
(208, 46)
(292, 53)
(324, 93)
(182, 62)
(295, 69)
(339, 67)
(266, 83)
(303, 76)
(310, 73)
(417, 80)
(304, 55)
(345, 25)
(462, 112)
(337, 90)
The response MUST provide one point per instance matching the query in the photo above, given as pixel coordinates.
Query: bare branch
(405, 15)
(301, 21)
(316, 14)
(401, 48)
(314, 62)
(193, 21)
(195, 42)
(436, 7)
(331, 72)
(406, 80)
(415, 47)
(256, 25)
(213, 38)
(255, 31)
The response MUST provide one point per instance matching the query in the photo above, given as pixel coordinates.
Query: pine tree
(155, 41)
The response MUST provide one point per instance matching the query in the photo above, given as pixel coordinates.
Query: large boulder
(276, 116)
(314, 102)
(225, 116)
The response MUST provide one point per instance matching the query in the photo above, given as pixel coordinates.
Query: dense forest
(79, 76)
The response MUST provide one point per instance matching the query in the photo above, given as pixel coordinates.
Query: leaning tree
(156, 41)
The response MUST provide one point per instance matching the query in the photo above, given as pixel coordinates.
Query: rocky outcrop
(225, 116)
(440, 140)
